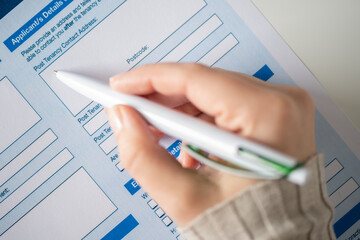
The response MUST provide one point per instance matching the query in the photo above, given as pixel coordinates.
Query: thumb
(141, 155)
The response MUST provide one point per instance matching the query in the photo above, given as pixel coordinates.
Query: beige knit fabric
(271, 210)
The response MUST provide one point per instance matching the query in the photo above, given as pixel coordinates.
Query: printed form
(60, 173)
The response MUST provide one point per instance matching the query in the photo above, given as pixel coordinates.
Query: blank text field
(120, 45)
(332, 169)
(219, 50)
(34, 149)
(73, 210)
(96, 122)
(35, 181)
(75, 102)
(343, 192)
(193, 40)
(109, 144)
(17, 115)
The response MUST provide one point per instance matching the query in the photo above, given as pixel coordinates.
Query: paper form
(69, 136)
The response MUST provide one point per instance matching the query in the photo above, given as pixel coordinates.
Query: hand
(281, 117)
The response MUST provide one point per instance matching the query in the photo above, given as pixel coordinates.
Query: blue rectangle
(349, 219)
(264, 73)
(175, 148)
(6, 6)
(132, 186)
(122, 229)
(35, 23)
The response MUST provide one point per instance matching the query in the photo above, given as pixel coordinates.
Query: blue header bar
(35, 23)
(349, 219)
(264, 73)
(122, 229)
(7, 6)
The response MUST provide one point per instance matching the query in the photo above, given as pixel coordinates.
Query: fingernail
(115, 118)
(115, 78)
(112, 81)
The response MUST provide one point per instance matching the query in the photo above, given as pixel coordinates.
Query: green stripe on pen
(284, 170)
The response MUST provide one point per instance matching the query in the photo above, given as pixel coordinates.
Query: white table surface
(325, 34)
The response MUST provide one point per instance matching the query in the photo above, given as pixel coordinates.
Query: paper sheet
(59, 141)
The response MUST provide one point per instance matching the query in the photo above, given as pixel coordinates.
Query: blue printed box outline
(342, 168)
(91, 119)
(40, 184)
(349, 194)
(63, 102)
(170, 35)
(217, 45)
(105, 195)
(57, 188)
(90, 31)
(202, 24)
(31, 159)
(103, 142)
(29, 105)
(116, 165)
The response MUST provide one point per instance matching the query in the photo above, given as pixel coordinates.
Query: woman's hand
(280, 117)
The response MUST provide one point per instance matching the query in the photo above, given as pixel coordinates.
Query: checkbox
(159, 212)
(167, 221)
(120, 167)
(152, 204)
(180, 237)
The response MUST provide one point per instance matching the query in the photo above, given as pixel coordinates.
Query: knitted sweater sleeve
(271, 210)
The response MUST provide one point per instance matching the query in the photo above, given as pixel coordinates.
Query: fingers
(269, 114)
(189, 109)
(151, 165)
(187, 161)
(169, 101)
(199, 84)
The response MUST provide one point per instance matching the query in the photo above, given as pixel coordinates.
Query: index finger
(202, 86)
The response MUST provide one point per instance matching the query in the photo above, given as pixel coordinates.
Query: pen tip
(55, 71)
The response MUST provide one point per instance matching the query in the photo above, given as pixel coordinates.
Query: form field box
(96, 122)
(17, 115)
(34, 182)
(27, 155)
(220, 50)
(106, 50)
(193, 40)
(332, 169)
(120, 167)
(109, 144)
(71, 211)
(343, 192)
(75, 102)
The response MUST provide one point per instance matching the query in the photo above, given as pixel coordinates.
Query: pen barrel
(208, 137)
(205, 136)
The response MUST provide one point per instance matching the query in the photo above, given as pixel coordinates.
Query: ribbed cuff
(271, 210)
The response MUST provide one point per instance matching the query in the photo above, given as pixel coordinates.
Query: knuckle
(306, 99)
(280, 103)
(191, 69)
(302, 98)
(294, 106)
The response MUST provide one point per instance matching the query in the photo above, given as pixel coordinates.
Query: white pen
(244, 157)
